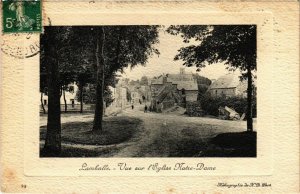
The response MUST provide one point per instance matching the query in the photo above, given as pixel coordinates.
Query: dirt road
(162, 131)
(162, 134)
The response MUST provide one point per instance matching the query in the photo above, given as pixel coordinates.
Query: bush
(210, 105)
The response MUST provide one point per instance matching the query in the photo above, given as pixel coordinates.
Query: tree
(74, 54)
(89, 92)
(118, 47)
(52, 45)
(66, 68)
(67, 77)
(100, 41)
(43, 84)
(84, 77)
(233, 44)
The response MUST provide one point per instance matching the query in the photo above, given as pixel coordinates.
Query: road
(160, 127)
(161, 131)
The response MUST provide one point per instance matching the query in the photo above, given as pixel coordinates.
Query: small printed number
(9, 23)
(23, 186)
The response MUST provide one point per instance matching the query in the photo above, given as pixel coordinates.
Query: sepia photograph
(149, 97)
(148, 91)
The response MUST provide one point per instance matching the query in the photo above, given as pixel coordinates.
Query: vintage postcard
(149, 97)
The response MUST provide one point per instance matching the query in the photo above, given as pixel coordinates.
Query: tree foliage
(54, 50)
(116, 48)
(235, 45)
(71, 54)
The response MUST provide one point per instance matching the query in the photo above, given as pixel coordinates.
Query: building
(186, 84)
(171, 89)
(145, 93)
(119, 95)
(135, 96)
(229, 85)
(164, 95)
(70, 96)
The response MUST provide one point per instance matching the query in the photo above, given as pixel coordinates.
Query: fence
(72, 108)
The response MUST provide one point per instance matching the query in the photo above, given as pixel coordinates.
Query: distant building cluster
(164, 91)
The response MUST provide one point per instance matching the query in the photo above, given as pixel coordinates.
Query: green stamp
(22, 16)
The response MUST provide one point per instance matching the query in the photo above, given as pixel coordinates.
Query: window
(72, 102)
(45, 102)
(71, 89)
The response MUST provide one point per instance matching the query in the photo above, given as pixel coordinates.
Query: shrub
(210, 105)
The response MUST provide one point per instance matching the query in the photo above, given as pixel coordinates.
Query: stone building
(229, 85)
(185, 83)
(164, 95)
(170, 89)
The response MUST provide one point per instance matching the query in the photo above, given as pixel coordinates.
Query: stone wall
(191, 96)
(193, 109)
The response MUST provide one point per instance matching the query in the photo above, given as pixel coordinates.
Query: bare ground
(161, 135)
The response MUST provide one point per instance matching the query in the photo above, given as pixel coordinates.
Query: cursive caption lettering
(156, 167)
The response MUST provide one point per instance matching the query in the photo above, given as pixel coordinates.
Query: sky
(164, 63)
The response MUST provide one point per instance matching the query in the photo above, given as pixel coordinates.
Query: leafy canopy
(233, 44)
(74, 50)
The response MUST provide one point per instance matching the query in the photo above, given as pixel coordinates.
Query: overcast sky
(164, 63)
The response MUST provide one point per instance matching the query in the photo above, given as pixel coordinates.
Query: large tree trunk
(65, 101)
(42, 104)
(81, 97)
(100, 79)
(249, 101)
(53, 137)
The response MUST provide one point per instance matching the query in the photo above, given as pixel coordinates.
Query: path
(158, 124)
(160, 131)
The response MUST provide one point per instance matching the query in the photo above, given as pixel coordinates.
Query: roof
(158, 80)
(185, 81)
(226, 81)
(181, 77)
(187, 85)
(164, 91)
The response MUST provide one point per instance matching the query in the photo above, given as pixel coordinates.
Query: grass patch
(70, 152)
(242, 144)
(115, 130)
(235, 140)
(70, 114)
(189, 140)
(186, 142)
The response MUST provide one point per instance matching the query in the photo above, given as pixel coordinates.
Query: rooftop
(182, 80)
(226, 81)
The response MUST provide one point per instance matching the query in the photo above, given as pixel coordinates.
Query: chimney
(165, 79)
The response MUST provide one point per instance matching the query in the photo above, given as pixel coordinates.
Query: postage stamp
(21, 16)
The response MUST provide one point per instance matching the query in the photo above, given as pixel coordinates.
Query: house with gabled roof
(186, 84)
(229, 85)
